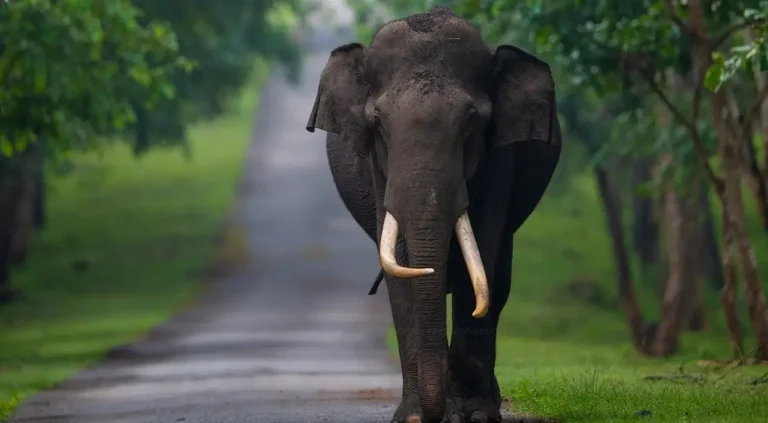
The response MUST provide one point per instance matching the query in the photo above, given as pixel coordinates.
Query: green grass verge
(144, 229)
(570, 359)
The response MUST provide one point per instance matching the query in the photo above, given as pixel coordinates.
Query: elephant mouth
(469, 250)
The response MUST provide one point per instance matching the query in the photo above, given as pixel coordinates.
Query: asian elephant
(440, 147)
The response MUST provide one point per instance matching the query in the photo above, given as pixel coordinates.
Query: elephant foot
(458, 410)
(473, 410)
(453, 411)
(409, 410)
(411, 418)
(482, 411)
(416, 418)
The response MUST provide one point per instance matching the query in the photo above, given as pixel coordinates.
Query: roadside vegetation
(633, 298)
(129, 243)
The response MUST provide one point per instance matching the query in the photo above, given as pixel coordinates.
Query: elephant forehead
(426, 22)
(423, 84)
(448, 34)
(452, 49)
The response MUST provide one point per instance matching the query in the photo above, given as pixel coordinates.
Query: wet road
(289, 337)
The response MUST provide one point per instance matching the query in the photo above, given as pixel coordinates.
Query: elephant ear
(524, 108)
(341, 97)
(525, 120)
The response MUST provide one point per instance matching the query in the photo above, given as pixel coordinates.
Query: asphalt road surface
(289, 337)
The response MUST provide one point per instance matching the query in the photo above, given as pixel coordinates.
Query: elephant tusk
(474, 263)
(387, 253)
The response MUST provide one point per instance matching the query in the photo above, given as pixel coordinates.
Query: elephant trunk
(428, 241)
(426, 200)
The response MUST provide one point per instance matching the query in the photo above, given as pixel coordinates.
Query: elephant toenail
(455, 419)
(479, 417)
(413, 418)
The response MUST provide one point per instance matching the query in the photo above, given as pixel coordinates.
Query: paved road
(291, 336)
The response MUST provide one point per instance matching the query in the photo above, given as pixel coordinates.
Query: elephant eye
(470, 116)
(468, 120)
(377, 121)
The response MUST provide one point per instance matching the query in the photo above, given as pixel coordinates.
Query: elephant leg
(472, 356)
(404, 318)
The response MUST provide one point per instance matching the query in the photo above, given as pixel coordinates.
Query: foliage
(72, 69)
(74, 72)
(222, 39)
(749, 52)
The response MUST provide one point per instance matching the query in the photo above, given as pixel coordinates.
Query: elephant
(440, 147)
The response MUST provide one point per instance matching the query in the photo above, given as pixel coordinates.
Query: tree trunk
(731, 147)
(22, 228)
(709, 257)
(645, 228)
(698, 316)
(5, 268)
(761, 126)
(753, 287)
(40, 195)
(756, 182)
(677, 302)
(9, 193)
(702, 259)
(749, 164)
(612, 208)
(730, 290)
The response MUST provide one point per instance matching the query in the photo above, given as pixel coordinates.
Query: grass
(127, 244)
(566, 358)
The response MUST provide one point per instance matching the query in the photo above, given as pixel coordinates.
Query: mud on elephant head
(428, 99)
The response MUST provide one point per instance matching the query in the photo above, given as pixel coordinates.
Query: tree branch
(690, 126)
(674, 110)
(675, 17)
(737, 27)
(697, 21)
(697, 100)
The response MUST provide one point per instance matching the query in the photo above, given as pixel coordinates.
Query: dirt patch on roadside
(378, 395)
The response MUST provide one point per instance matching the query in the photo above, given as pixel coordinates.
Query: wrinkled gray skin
(427, 122)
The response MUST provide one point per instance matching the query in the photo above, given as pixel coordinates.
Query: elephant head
(428, 100)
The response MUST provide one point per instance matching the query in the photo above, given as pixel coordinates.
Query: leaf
(6, 147)
(714, 75)
(141, 75)
(168, 91)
